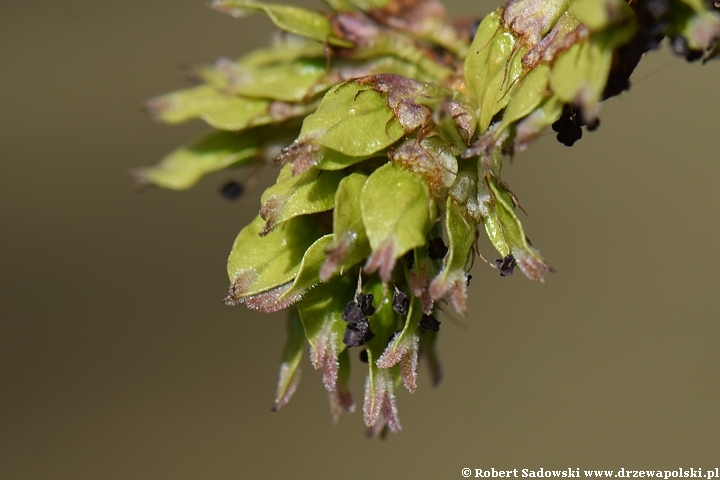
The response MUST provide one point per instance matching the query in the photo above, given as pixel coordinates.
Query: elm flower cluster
(390, 124)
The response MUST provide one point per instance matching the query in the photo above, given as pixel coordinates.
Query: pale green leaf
(353, 120)
(183, 105)
(309, 274)
(184, 167)
(380, 64)
(580, 74)
(347, 216)
(350, 243)
(222, 111)
(598, 15)
(309, 192)
(238, 115)
(299, 21)
(397, 214)
(511, 230)
(461, 238)
(532, 89)
(492, 66)
(328, 159)
(530, 127)
(258, 264)
(284, 49)
(293, 81)
(389, 42)
(216, 75)
(494, 232)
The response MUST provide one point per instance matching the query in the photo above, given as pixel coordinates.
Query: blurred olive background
(119, 361)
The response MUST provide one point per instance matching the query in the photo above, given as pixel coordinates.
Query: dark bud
(356, 335)
(437, 249)
(467, 280)
(401, 302)
(353, 337)
(680, 47)
(353, 314)
(570, 135)
(506, 265)
(568, 126)
(364, 356)
(364, 301)
(429, 323)
(232, 190)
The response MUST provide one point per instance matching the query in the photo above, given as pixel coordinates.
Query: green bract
(350, 243)
(453, 278)
(492, 68)
(292, 196)
(391, 125)
(219, 110)
(352, 120)
(183, 168)
(295, 20)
